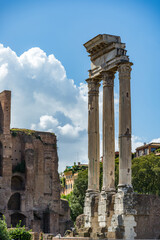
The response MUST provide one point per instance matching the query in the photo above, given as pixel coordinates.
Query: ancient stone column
(124, 125)
(93, 135)
(108, 132)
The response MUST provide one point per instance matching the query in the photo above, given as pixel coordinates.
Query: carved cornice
(108, 78)
(124, 70)
(93, 86)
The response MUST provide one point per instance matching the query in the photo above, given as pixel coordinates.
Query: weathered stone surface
(93, 135)
(29, 181)
(124, 124)
(147, 216)
(121, 215)
(108, 132)
(91, 209)
(80, 220)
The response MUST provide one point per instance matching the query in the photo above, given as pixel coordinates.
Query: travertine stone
(106, 52)
(124, 124)
(123, 220)
(93, 134)
(125, 214)
(91, 209)
(108, 132)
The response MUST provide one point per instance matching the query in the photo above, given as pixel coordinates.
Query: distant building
(146, 149)
(70, 175)
(69, 182)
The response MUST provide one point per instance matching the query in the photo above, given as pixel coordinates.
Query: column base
(105, 207)
(125, 188)
(91, 208)
(108, 190)
(92, 191)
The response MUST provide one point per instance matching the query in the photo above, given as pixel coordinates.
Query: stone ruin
(29, 179)
(111, 214)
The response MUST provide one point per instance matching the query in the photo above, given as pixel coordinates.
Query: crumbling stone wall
(29, 179)
(147, 216)
(123, 215)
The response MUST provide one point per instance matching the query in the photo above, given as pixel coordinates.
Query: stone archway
(14, 202)
(17, 183)
(16, 217)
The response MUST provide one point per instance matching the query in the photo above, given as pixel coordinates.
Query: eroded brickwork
(29, 179)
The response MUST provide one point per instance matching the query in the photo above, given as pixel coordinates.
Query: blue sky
(61, 28)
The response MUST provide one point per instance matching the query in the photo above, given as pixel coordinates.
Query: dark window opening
(17, 183)
(46, 222)
(14, 202)
(16, 217)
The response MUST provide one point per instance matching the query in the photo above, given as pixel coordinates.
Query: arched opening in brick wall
(1, 215)
(17, 183)
(1, 159)
(16, 217)
(14, 202)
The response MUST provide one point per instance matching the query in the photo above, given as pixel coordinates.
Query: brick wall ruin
(29, 179)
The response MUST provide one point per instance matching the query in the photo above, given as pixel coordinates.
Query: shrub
(4, 235)
(20, 233)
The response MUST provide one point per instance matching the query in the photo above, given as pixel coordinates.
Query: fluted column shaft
(124, 125)
(108, 132)
(93, 135)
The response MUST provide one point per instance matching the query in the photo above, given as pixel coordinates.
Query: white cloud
(43, 98)
(3, 71)
(69, 130)
(47, 121)
(136, 142)
(156, 140)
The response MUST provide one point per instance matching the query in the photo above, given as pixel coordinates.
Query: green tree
(67, 197)
(63, 181)
(145, 179)
(146, 174)
(4, 235)
(19, 233)
(78, 195)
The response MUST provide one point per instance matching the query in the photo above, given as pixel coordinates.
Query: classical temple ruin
(111, 213)
(29, 179)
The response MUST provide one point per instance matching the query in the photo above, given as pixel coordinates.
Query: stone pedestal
(123, 220)
(91, 209)
(105, 211)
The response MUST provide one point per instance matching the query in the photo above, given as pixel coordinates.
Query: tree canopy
(146, 174)
(78, 195)
(145, 180)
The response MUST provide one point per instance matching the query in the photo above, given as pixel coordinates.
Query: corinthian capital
(108, 78)
(124, 69)
(93, 86)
